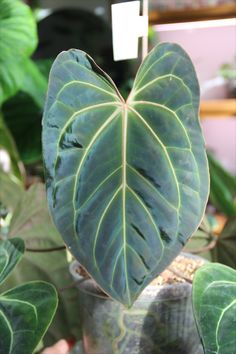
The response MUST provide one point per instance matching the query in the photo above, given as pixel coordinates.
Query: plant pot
(160, 321)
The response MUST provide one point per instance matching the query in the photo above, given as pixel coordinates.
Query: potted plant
(127, 182)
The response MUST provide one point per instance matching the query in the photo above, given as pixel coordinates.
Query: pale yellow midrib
(124, 184)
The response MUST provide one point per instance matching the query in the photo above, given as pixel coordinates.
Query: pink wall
(209, 44)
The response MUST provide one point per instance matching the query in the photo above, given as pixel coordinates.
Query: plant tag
(127, 27)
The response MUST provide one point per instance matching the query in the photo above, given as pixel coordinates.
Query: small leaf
(25, 314)
(127, 182)
(214, 302)
(11, 252)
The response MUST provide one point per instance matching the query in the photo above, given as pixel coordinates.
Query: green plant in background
(225, 249)
(18, 72)
(9, 156)
(27, 218)
(18, 41)
(228, 71)
(203, 240)
(214, 302)
(127, 182)
(215, 247)
(25, 311)
(223, 188)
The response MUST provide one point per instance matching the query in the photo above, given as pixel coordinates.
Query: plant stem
(209, 247)
(53, 249)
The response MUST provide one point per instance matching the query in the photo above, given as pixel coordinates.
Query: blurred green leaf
(23, 112)
(34, 83)
(11, 77)
(11, 190)
(9, 157)
(225, 250)
(18, 41)
(31, 222)
(23, 118)
(223, 188)
(201, 239)
(11, 252)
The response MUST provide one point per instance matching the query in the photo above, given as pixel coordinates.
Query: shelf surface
(218, 108)
(190, 15)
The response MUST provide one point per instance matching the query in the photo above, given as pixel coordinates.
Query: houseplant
(24, 214)
(127, 181)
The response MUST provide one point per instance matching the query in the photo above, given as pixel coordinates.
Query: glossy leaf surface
(25, 314)
(11, 252)
(127, 182)
(214, 302)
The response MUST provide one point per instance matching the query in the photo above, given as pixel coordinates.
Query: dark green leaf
(214, 302)
(223, 188)
(25, 314)
(18, 41)
(23, 118)
(127, 181)
(225, 250)
(23, 112)
(11, 252)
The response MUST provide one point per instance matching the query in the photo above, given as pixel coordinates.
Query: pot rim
(81, 282)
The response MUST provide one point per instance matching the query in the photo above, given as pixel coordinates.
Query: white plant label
(127, 27)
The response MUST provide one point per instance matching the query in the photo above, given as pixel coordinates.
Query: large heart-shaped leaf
(127, 182)
(25, 314)
(11, 252)
(214, 302)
